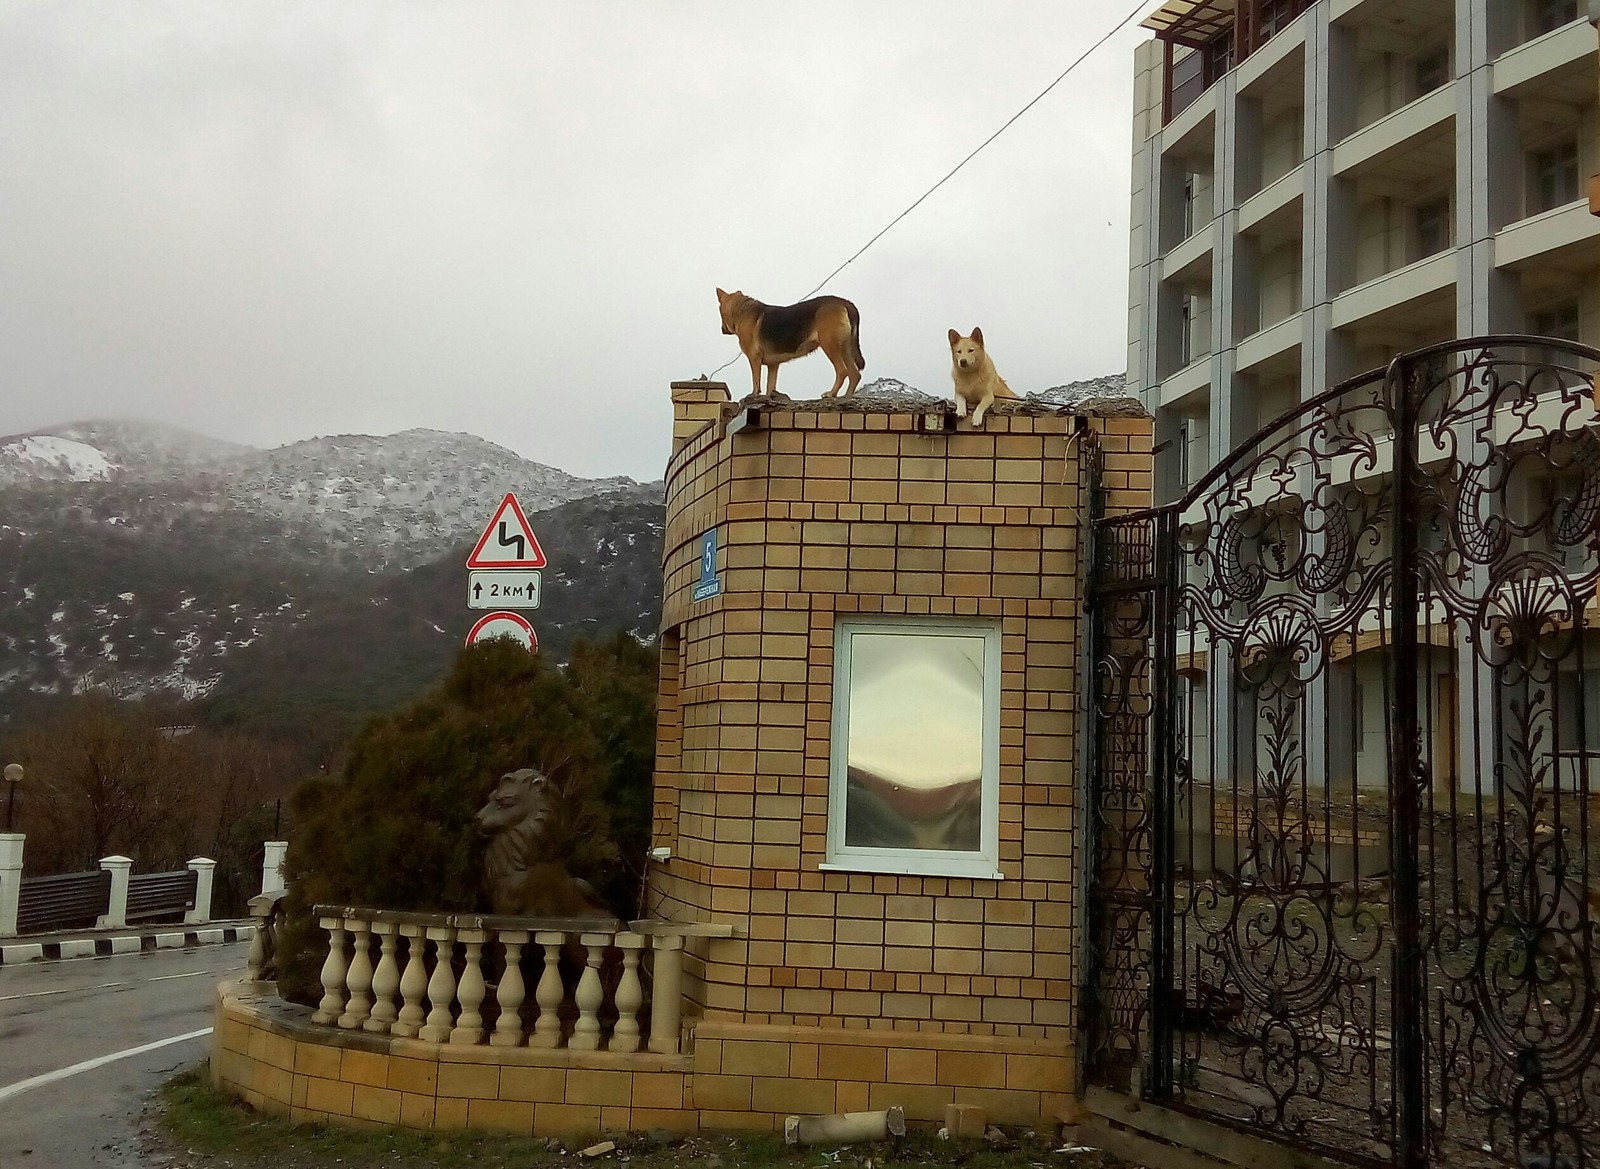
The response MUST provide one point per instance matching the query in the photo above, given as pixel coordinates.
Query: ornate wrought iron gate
(1346, 772)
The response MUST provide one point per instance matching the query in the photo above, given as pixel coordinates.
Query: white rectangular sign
(498, 589)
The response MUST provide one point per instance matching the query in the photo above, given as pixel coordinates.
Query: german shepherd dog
(977, 382)
(769, 335)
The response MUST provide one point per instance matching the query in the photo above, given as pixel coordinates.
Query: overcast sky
(269, 221)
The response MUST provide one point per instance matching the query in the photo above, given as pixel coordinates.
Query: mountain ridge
(324, 574)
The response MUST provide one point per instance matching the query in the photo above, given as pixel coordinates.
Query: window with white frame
(914, 774)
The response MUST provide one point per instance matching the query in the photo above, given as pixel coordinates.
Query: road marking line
(89, 1065)
(34, 994)
(169, 977)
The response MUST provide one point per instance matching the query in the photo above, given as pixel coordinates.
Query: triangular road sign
(508, 541)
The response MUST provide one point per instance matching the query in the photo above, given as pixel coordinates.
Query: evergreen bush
(396, 830)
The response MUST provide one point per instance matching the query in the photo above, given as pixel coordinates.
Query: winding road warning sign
(508, 541)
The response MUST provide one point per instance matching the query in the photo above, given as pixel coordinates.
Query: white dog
(977, 383)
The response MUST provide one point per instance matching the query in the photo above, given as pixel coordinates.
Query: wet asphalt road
(57, 1015)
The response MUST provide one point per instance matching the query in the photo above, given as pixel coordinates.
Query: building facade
(1318, 186)
(868, 753)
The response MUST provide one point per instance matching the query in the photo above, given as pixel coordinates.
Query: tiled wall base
(739, 1076)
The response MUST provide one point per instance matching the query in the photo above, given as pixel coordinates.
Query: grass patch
(214, 1129)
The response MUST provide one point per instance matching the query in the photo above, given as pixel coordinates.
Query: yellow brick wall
(738, 1076)
(270, 1055)
(847, 990)
(822, 513)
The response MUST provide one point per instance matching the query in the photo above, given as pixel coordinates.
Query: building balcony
(1259, 349)
(1565, 235)
(1190, 261)
(1281, 200)
(1271, 55)
(1567, 53)
(1404, 288)
(1394, 135)
(1192, 129)
(1188, 384)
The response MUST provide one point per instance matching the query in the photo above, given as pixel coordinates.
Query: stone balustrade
(266, 910)
(465, 979)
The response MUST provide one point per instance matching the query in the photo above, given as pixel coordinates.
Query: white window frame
(983, 864)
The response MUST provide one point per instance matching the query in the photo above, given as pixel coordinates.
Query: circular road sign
(512, 625)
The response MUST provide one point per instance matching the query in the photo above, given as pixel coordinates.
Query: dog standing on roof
(977, 383)
(769, 335)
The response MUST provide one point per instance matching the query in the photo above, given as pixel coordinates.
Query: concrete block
(965, 1120)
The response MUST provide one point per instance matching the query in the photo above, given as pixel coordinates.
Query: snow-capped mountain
(102, 451)
(323, 573)
(394, 501)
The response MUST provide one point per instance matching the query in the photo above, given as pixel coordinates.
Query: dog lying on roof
(770, 335)
(978, 384)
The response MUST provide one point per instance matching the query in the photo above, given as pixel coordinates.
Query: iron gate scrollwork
(1346, 772)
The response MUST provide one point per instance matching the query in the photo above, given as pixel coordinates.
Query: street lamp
(13, 782)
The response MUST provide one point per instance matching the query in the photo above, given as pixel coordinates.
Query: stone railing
(502, 980)
(266, 910)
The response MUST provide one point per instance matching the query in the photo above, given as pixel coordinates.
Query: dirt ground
(189, 1126)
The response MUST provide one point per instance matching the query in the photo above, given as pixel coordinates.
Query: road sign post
(503, 574)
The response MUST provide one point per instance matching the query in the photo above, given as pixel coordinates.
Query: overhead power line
(1006, 125)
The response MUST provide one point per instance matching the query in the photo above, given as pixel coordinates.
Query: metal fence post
(204, 869)
(273, 852)
(10, 881)
(116, 914)
(1407, 779)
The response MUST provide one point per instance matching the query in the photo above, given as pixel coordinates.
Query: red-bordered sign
(508, 541)
(512, 625)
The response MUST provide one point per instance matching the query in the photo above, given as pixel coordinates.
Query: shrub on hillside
(396, 832)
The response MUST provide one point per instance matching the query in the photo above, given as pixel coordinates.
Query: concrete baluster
(332, 1004)
(116, 914)
(442, 986)
(205, 870)
(630, 995)
(272, 854)
(548, 994)
(511, 992)
(666, 993)
(385, 981)
(413, 984)
(358, 979)
(264, 938)
(469, 1023)
(586, 1031)
(256, 958)
(10, 881)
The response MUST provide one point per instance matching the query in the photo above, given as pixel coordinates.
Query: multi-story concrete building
(1321, 184)
(1318, 185)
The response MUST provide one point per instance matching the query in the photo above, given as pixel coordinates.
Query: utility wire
(1040, 96)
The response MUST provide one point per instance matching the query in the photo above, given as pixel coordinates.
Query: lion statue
(524, 879)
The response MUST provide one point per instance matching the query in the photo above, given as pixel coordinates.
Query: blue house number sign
(710, 584)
